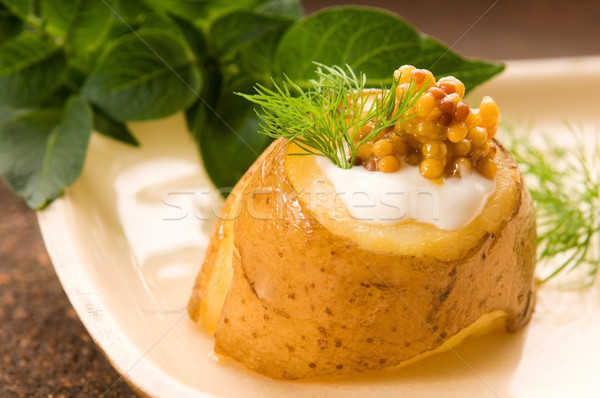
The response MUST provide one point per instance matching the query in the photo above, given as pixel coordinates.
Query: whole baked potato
(294, 293)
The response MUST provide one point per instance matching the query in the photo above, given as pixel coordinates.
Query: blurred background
(45, 350)
(499, 29)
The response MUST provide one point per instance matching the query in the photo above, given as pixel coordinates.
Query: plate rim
(145, 378)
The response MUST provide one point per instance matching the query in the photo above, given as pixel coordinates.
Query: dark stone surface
(44, 348)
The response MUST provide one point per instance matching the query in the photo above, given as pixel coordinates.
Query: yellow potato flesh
(219, 282)
(487, 323)
(216, 275)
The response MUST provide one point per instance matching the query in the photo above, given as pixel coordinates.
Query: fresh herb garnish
(127, 60)
(324, 119)
(564, 183)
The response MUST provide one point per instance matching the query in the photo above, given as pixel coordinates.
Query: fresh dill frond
(564, 183)
(324, 118)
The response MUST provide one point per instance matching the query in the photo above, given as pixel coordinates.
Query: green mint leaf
(80, 23)
(31, 67)
(195, 114)
(43, 150)
(200, 11)
(144, 76)
(227, 137)
(133, 12)
(245, 42)
(471, 72)
(193, 36)
(187, 9)
(18, 7)
(109, 127)
(24, 9)
(10, 26)
(157, 21)
(286, 8)
(369, 41)
(233, 32)
(257, 57)
(373, 42)
(220, 7)
(227, 155)
(117, 28)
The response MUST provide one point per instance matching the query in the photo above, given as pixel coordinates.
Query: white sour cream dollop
(405, 195)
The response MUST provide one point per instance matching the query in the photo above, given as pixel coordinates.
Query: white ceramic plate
(128, 237)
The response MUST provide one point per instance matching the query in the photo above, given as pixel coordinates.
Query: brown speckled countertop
(44, 349)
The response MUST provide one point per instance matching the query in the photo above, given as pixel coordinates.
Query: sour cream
(391, 198)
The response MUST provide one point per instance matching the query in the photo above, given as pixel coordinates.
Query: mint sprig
(67, 67)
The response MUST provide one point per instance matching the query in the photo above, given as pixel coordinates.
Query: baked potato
(294, 287)
(310, 298)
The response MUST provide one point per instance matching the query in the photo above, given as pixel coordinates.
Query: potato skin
(201, 291)
(305, 302)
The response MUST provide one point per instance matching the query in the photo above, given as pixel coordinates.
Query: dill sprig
(565, 186)
(324, 118)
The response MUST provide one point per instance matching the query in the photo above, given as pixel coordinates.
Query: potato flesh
(214, 280)
(305, 302)
(487, 323)
(219, 282)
